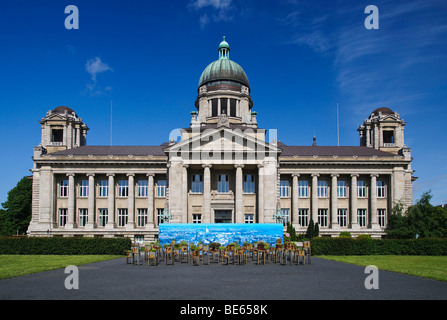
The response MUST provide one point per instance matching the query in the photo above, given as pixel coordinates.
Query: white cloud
(375, 68)
(217, 4)
(216, 10)
(95, 66)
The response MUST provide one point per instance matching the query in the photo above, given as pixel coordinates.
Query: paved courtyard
(322, 280)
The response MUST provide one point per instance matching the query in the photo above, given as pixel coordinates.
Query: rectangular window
(161, 188)
(361, 216)
(285, 214)
(159, 216)
(303, 217)
(123, 188)
(322, 217)
(303, 188)
(322, 189)
(57, 135)
(223, 185)
(381, 217)
(142, 217)
(249, 218)
(197, 218)
(63, 217)
(342, 217)
(249, 183)
(232, 108)
(83, 188)
(284, 188)
(196, 183)
(102, 217)
(361, 189)
(83, 217)
(341, 189)
(103, 188)
(380, 189)
(142, 188)
(63, 188)
(214, 108)
(223, 106)
(122, 217)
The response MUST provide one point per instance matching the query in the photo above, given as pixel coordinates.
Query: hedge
(353, 246)
(64, 245)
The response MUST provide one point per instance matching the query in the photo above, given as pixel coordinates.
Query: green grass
(18, 265)
(431, 267)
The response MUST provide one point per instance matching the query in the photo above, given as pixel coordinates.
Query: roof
(224, 69)
(383, 110)
(62, 109)
(113, 150)
(303, 151)
(329, 151)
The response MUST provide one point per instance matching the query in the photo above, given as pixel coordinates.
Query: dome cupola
(224, 70)
(224, 91)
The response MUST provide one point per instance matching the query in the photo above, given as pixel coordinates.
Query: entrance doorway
(222, 216)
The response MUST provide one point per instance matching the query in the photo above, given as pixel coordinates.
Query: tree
(292, 232)
(310, 229)
(316, 230)
(16, 213)
(313, 230)
(421, 220)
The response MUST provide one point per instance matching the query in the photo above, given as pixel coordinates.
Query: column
(150, 200)
(260, 193)
(373, 199)
(239, 192)
(295, 198)
(206, 218)
(71, 202)
(91, 201)
(368, 136)
(334, 202)
(315, 197)
(111, 202)
(185, 216)
(354, 221)
(131, 202)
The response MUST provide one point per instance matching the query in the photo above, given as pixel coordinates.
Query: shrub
(345, 234)
(365, 246)
(64, 245)
(364, 236)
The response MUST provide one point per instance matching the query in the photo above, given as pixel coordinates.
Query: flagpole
(338, 129)
(110, 122)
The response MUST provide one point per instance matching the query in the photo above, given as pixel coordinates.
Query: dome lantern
(224, 50)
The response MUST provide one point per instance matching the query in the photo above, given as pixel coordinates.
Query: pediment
(223, 141)
(56, 117)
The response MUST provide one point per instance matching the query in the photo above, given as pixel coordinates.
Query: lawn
(18, 265)
(432, 267)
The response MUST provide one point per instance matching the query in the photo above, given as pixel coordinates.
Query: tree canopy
(421, 220)
(16, 213)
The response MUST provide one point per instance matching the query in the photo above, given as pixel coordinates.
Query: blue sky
(302, 57)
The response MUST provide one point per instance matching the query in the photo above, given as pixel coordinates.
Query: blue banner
(223, 233)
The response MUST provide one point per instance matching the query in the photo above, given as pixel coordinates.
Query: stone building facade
(221, 170)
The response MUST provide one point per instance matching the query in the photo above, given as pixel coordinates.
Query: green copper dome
(224, 69)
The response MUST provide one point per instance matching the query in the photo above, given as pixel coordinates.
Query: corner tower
(224, 89)
(383, 130)
(61, 129)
